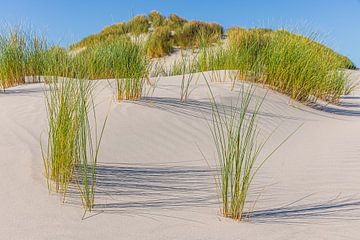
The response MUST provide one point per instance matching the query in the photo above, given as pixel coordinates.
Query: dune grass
(139, 24)
(156, 19)
(175, 22)
(295, 65)
(73, 142)
(239, 147)
(185, 67)
(191, 33)
(25, 54)
(186, 34)
(136, 26)
(159, 43)
(235, 135)
(21, 54)
(121, 60)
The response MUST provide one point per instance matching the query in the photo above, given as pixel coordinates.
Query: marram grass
(235, 135)
(121, 60)
(238, 145)
(73, 140)
(295, 65)
(159, 43)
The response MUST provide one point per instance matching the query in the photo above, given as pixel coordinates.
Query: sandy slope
(154, 184)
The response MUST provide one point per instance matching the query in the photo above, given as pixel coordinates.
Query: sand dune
(153, 182)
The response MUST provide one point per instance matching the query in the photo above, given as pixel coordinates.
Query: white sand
(154, 183)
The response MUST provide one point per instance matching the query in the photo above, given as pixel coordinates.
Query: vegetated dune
(153, 181)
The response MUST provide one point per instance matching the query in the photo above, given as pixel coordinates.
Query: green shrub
(159, 43)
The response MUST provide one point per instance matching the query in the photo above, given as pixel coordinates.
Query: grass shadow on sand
(199, 109)
(348, 106)
(138, 190)
(122, 189)
(325, 212)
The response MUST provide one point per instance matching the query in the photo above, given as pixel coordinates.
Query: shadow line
(120, 189)
(198, 109)
(347, 208)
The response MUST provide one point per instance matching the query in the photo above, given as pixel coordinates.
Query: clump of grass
(191, 32)
(175, 22)
(35, 59)
(115, 29)
(12, 58)
(73, 142)
(187, 34)
(236, 136)
(159, 43)
(21, 55)
(156, 19)
(112, 60)
(58, 63)
(295, 65)
(108, 34)
(121, 59)
(138, 25)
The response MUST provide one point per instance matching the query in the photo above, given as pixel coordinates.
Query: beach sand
(153, 181)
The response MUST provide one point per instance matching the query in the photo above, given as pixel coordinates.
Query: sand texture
(153, 182)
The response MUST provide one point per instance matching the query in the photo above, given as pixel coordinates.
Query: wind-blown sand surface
(153, 182)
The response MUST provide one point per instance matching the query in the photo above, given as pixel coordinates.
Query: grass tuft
(73, 142)
(159, 43)
(295, 65)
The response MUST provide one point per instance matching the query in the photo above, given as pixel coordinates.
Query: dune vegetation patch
(115, 59)
(22, 53)
(159, 43)
(191, 34)
(71, 152)
(298, 66)
(183, 33)
(295, 65)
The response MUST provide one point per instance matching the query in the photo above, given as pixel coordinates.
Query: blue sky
(66, 21)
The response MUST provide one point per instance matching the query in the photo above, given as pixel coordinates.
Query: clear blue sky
(66, 21)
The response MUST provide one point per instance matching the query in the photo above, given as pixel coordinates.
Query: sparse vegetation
(298, 66)
(73, 142)
(187, 78)
(235, 135)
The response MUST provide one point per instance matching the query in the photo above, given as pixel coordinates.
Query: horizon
(67, 22)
